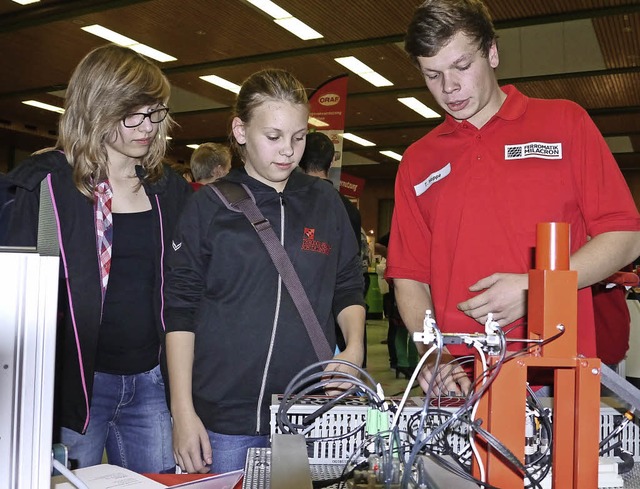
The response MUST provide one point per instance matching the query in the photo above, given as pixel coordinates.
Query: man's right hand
(450, 379)
(191, 445)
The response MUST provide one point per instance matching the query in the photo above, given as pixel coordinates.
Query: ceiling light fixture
(298, 28)
(25, 2)
(114, 37)
(357, 139)
(221, 82)
(317, 122)
(285, 20)
(392, 154)
(415, 104)
(359, 68)
(41, 105)
(193, 146)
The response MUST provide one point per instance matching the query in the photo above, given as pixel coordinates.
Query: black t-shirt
(128, 342)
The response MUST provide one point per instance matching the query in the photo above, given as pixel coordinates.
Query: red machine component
(552, 305)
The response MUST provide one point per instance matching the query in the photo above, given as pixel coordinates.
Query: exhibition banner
(328, 107)
(350, 185)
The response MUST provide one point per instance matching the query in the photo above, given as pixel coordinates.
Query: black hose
(627, 461)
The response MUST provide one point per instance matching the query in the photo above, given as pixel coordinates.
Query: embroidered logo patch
(422, 187)
(309, 243)
(547, 151)
(176, 247)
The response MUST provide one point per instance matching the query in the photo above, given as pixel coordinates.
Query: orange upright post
(552, 309)
(553, 293)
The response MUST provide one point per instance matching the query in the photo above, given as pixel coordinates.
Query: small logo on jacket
(547, 151)
(176, 247)
(309, 243)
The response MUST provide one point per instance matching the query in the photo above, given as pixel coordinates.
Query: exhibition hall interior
(389, 433)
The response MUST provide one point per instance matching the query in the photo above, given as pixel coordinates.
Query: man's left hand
(504, 295)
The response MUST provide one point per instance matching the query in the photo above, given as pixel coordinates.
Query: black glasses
(156, 116)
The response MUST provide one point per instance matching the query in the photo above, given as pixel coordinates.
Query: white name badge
(422, 187)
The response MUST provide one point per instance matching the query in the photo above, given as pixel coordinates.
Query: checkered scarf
(104, 231)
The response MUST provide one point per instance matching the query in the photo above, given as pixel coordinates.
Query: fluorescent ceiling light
(114, 37)
(149, 52)
(221, 82)
(109, 35)
(298, 28)
(376, 79)
(392, 154)
(414, 104)
(285, 20)
(193, 146)
(25, 2)
(354, 64)
(270, 8)
(357, 139)
(40, 105)
(619, 144)
(317, 122)
(359, 68)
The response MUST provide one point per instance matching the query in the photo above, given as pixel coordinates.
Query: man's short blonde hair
(207, 158)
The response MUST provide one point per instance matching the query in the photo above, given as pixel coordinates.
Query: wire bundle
(444, 433)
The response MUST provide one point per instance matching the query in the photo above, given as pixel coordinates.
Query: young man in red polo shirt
(470, 193)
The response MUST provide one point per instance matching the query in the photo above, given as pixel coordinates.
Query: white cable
(407, 391)
(70, 476)
(472, 441)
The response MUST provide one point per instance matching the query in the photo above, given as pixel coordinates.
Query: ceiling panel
(619, 37)
(42, 43)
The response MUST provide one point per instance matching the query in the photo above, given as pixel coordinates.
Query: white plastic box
(352, 413)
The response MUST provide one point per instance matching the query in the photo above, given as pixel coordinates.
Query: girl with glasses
(116, 205)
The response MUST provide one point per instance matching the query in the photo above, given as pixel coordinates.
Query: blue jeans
(130, 419)
(230, 451)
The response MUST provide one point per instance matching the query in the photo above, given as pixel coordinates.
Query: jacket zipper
(274, 328)
(159, 216)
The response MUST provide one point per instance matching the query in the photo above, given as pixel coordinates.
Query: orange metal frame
(576, 403)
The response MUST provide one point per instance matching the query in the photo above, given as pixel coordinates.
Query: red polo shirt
(467, 201)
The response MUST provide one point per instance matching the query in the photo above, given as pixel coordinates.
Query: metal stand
(28, 312)
(576, 404)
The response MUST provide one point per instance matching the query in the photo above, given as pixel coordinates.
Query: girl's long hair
(109, 83)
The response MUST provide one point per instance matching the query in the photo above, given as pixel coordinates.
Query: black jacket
(222, 285)
(79, 293)
(7, 196)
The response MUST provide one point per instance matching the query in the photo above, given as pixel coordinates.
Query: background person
(388, 300)
(7, 197)
(316, 161)
(612, 317)
(116, 205)
(470, 193)
(209, 162)
(234, 335)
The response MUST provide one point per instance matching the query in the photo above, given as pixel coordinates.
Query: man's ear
(237, 127)
(494, 58)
